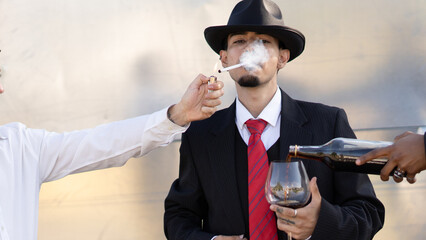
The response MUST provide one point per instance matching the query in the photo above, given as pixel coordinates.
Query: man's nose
(250, 44)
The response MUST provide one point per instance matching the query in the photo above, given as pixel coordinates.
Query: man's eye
(240, 41)
(265, 41)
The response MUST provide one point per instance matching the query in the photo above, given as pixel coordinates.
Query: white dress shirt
(271, 114)
(29, 157)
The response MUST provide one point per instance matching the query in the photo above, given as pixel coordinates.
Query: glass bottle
(340, 154)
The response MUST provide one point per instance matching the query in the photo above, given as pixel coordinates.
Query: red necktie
(262, 223)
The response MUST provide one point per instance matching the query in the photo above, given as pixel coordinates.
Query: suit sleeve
(354, 212)
(185, 205)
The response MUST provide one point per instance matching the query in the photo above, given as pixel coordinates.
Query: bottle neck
(297, 150)
(307, 152)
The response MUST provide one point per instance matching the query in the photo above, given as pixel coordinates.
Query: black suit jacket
(204, 201)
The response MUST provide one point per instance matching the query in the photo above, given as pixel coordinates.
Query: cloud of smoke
(255, 56)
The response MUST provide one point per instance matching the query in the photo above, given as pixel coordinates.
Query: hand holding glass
(287, 185)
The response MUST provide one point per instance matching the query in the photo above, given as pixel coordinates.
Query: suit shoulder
(324, 121)
(318, 109)
(323, 115)
(209, 123)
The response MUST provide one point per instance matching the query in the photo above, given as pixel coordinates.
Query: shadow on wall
(156, 83)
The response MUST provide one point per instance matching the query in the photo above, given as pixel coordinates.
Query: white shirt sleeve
(108, 145)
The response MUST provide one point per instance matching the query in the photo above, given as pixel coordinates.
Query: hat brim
(291, 38)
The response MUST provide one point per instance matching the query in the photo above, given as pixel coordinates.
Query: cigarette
(230, 67)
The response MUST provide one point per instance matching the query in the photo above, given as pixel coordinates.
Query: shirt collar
(270, 113)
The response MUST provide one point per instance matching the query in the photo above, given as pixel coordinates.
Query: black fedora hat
(262, 16)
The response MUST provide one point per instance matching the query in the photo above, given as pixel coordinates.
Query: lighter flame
(216, 67)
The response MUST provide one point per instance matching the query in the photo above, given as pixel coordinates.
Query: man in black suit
(210, 199)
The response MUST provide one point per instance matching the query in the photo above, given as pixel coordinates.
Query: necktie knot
(256, 125)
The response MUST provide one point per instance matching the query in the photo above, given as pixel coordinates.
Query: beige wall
(76, 64)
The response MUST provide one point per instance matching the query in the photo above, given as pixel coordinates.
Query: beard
(249, 81)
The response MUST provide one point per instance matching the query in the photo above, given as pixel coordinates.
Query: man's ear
(283, 58)
(224, 58)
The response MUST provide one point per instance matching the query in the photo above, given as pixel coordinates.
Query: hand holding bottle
(407, 153)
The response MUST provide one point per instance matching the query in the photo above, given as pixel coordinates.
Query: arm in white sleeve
(108, 145)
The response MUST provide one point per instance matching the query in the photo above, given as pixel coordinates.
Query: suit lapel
(222, 159)
(292, 131)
